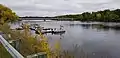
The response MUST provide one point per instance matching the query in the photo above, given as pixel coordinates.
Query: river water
(97, 41)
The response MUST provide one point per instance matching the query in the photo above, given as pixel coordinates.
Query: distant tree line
(103, 16)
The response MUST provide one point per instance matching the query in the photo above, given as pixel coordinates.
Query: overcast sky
(58, 7)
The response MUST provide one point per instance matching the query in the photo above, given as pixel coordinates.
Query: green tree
(7, 15)
(87, 16)
(117, 12)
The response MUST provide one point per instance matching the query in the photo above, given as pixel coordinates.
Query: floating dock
(53, 32)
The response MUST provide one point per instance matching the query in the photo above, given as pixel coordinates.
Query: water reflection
(97, 26)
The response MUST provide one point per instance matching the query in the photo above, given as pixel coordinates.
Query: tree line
(103, 16)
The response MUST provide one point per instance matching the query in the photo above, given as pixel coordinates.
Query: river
(97, 41)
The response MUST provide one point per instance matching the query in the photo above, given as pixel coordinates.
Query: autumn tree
(7, 15)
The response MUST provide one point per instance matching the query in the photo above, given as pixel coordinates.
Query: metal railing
(14, 53)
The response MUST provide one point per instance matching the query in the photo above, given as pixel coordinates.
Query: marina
(43, 30)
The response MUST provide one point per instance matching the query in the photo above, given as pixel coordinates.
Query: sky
(58, 7)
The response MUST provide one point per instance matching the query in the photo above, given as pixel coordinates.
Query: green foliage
(7, 15)
(4, 53)
(28, 43)
(105, 16)
(5, 28)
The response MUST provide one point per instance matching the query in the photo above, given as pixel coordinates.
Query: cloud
(58, 7)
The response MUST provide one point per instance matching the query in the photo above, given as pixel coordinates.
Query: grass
(4, 53)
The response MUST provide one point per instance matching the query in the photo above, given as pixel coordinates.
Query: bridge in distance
(43, 18)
